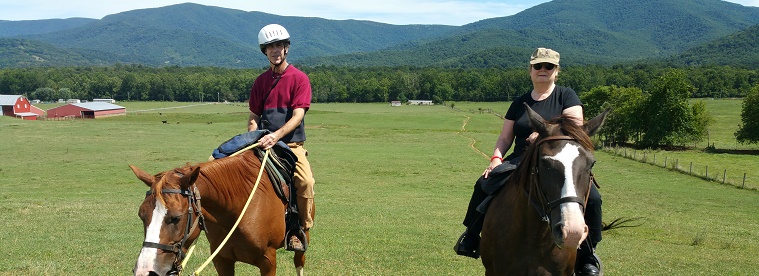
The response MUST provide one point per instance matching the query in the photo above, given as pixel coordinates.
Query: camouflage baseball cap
(544, 55)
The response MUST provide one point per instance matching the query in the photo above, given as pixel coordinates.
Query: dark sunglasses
(548, 66)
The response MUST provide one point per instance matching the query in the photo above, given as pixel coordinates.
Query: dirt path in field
(472, 140)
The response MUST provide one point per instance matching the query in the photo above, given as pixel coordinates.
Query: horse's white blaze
(566, 157)
(574, 229)
(146, 262)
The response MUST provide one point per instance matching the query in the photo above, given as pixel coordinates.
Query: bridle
(193, 200)
(544, 206)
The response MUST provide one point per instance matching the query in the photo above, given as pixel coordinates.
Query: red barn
(89, 110)
(19, 106)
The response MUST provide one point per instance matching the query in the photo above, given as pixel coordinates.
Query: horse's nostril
(557, 228)
(153, 273)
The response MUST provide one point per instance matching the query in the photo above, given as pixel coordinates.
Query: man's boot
(295, 237)
(296, 240)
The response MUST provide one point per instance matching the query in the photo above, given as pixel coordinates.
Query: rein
(544, 206)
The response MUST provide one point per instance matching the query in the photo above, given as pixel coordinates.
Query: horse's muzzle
(570, 230)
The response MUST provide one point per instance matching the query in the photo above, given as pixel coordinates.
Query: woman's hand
(532, 137)
(493, 163)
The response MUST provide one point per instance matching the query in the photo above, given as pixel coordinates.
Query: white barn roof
(98, 106)
(8, 99)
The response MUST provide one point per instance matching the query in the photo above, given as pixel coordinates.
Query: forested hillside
(584, 31)
(16, 52)
(30, 27)
(738, 49)
(196, 35)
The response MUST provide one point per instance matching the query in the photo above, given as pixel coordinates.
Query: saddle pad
(241, 141)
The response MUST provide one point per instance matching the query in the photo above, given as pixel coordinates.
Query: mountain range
(585, 32)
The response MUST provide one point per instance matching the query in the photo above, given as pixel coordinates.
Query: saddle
(280, 169)
(495, 182)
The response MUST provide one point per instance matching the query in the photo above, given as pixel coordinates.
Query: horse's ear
(592, 126)
(188, 179)
(536, 121)
(142, 175)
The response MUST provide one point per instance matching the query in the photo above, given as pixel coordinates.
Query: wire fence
(485, 111)
(715, 173)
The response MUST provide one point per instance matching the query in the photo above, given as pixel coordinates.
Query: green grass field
(392, 188)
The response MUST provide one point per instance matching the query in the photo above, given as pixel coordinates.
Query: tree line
(352, 84)
(650, 100)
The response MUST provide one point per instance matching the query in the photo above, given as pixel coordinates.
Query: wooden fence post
(724, 176)
(744, 181)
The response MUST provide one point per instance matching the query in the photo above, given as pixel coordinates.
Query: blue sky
(447, 12)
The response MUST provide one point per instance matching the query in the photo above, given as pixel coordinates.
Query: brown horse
(535, 224)
(171, 215)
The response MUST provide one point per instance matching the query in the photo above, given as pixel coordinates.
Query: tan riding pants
(303, 179)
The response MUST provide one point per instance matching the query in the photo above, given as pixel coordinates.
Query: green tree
(668, 117)
(748, 132)
(624, 123)
(44, 94)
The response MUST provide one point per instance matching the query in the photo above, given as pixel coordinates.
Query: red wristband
(495, 157)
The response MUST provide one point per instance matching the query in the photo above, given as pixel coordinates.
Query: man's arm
(253, 121)
(270, 139)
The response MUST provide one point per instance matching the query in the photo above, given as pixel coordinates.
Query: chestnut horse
(173, 216)
(535, 224)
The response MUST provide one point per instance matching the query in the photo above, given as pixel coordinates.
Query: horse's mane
(568, 127)
(231, 173)
(218, 169)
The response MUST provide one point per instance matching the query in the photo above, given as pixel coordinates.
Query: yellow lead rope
(255, 187)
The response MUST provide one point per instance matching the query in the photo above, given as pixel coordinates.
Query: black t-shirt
(561, 98)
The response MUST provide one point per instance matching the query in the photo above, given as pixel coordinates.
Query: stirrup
(300, 235)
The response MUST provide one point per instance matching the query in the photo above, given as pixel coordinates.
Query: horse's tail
(621, 223)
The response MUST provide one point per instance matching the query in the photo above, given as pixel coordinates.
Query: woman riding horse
(550, 101)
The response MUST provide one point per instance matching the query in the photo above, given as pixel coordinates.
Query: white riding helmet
(272, 33)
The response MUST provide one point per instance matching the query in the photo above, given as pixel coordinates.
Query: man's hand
(268, 141)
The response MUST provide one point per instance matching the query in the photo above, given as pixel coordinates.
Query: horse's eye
(174, 220)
